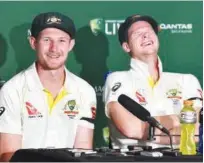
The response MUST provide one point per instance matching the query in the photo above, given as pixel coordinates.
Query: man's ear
(71, 44)
(32, 41)
(126, 47)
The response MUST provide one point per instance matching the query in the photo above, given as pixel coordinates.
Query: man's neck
(52, 80)
(153, 68)
(152, 62)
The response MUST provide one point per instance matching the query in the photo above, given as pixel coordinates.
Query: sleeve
(192, 89)
(113, 88)
(10, 117)
(88, 114)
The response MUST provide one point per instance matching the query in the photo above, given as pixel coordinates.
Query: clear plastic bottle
(188, 120)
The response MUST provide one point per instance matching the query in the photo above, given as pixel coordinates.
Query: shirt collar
(32, 78)
(142, 68)
(34, 82)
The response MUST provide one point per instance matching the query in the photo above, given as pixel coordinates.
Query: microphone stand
(171, 151)
(171, 143)
(151, 136)
(151, 133)
(167, 152)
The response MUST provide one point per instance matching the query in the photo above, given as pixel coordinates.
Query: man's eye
(45, 39)
(62, 40)
(136, 34)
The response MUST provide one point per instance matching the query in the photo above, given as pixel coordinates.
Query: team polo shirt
(43, 122)
(165, 97)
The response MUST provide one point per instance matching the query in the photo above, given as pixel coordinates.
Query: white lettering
(107, 30)
(112, 26)
(162, 26)
(99, 90)
(176, 26)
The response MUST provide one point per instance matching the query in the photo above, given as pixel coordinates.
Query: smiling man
(47, 106)
(161, 93)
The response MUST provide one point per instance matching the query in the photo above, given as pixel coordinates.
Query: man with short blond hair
(47, 106)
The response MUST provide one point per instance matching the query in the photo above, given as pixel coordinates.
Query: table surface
(57, 155)
(197, 158)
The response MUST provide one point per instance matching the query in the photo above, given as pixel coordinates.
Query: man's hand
(84, 138)
(9, 143)
(129, 125)
(168, 121)
(172, 123)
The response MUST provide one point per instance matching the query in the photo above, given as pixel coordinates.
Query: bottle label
(188, 117)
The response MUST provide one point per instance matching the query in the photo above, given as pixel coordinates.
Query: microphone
(154, 123)
(140, 112)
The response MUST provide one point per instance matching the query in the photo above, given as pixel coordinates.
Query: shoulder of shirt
(118, 75)
(84, 85)
(182, 75)
(16, 82)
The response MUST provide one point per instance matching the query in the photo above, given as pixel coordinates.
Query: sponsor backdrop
(97, 49)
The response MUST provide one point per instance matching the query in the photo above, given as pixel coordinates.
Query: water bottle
(188, 121)
(200, 144)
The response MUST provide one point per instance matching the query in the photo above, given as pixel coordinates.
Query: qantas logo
(141, 98)
(32, 111)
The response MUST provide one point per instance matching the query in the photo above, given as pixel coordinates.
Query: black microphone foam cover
(133, 107)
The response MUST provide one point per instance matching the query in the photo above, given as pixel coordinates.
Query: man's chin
(54, 67)
(151, 52)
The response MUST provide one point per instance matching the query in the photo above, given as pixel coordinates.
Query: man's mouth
(147, 43)
(53, 56)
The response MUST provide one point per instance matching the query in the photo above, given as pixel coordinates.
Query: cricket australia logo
(71, 104)
(96, 25)
(71, 109)
(53, 19)
(175, 95)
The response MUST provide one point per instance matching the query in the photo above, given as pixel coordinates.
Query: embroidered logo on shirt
(116, 86)
(174, 93)
(71, 109)
(93, 111)
(71, 104)
(32, 111)
(175, 96)
(140, 97)
(2, 109)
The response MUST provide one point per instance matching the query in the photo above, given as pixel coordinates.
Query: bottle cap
(188, 103)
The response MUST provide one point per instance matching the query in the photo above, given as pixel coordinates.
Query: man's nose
(53, 46)
(146, 35)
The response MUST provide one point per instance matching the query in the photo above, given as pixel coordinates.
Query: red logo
(32, 111)
(200, 92)
(93, 111)
(141, 98)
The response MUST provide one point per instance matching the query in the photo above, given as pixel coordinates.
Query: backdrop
(97, 49)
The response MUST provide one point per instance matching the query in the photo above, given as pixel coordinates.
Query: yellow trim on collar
(51, 101)
(151, 82)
